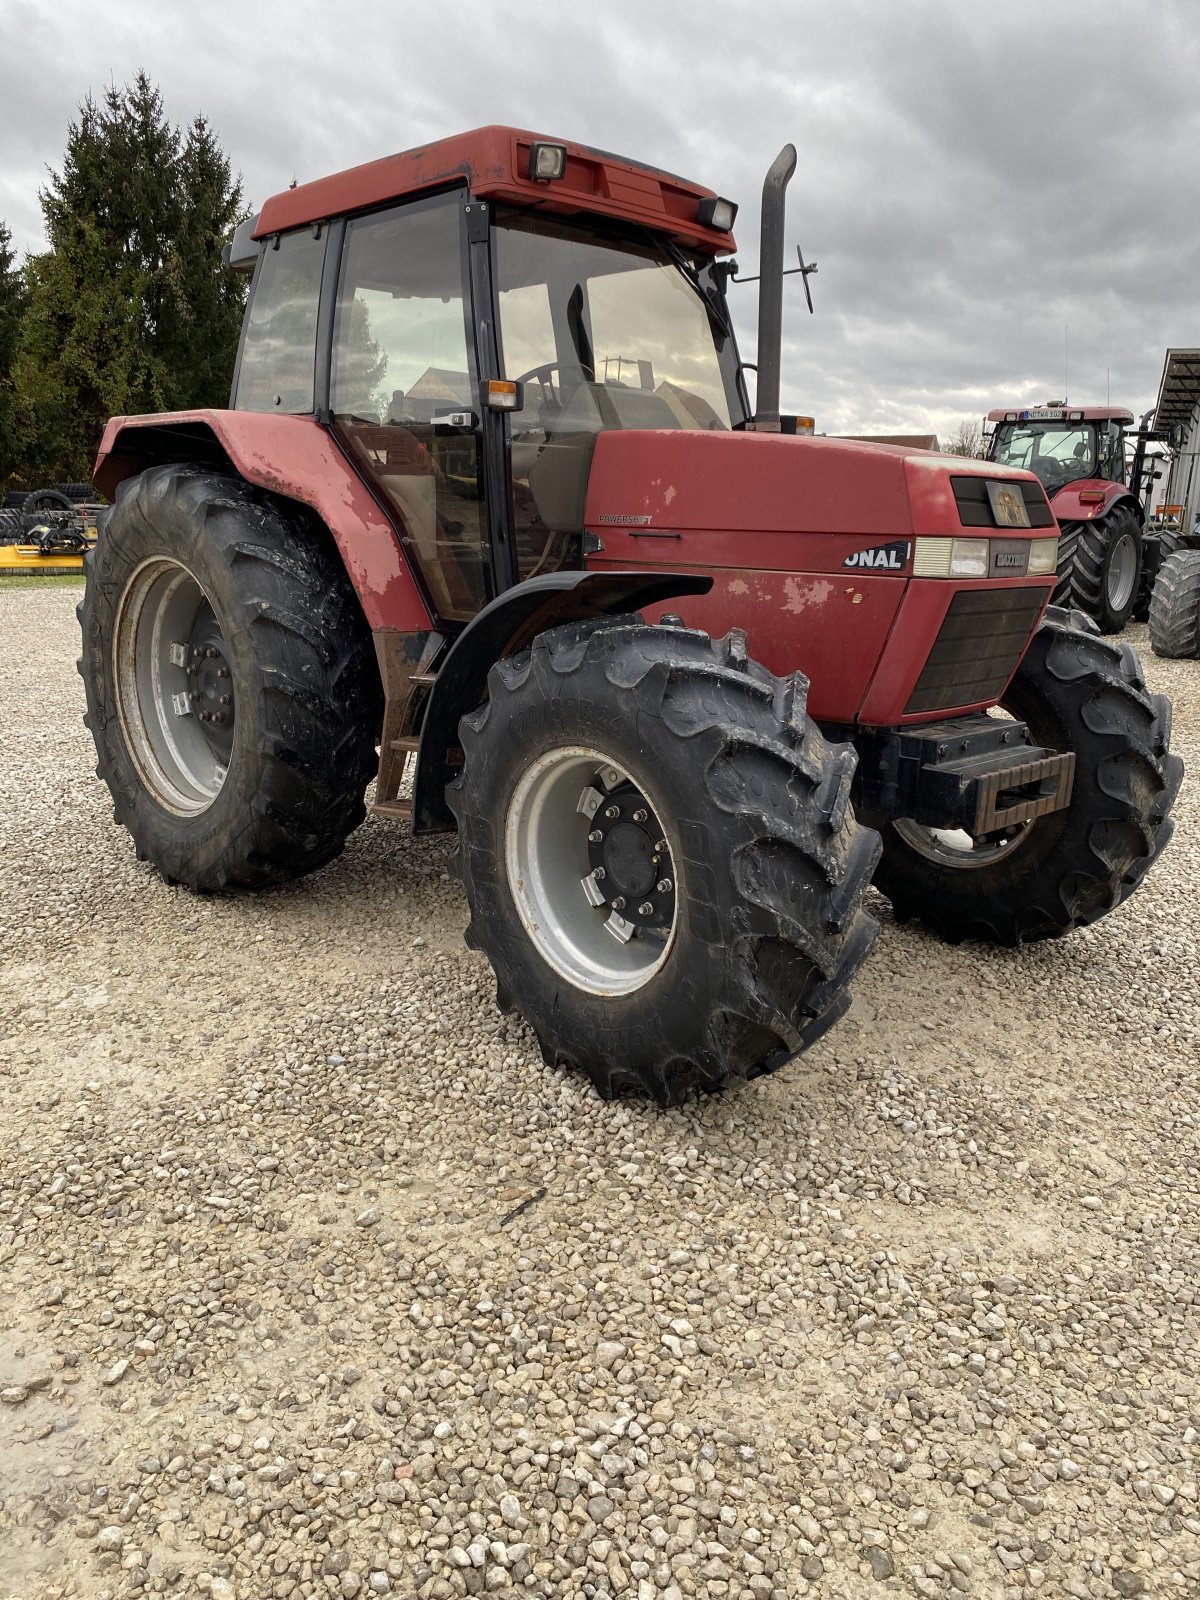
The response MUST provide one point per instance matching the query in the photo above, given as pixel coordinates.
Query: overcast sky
(972, 181)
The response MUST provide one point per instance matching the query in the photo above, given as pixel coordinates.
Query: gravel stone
(764, 1344)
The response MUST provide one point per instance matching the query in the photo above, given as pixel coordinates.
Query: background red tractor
(489, 428)
(1078, 453)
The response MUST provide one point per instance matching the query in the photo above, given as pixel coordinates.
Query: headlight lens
(1043, 557)
(969, 558)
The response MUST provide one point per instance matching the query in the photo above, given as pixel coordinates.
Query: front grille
(975, 509)
(977, 647)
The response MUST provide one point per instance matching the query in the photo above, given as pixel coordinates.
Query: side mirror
(1176, 436)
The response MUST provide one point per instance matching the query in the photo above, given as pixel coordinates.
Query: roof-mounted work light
(717, 214)
(547, 162)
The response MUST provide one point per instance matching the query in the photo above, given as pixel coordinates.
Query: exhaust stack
(770, 290)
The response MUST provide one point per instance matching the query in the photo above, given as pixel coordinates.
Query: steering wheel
(541, 376)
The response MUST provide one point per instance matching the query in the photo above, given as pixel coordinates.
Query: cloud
(973, 183)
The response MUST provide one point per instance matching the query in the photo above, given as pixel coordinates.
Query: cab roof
(493, 163)
(1055, 411)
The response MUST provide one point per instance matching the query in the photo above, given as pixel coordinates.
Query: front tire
(231, 689)
(1099, 567)
(1066, 870)
(660, 856)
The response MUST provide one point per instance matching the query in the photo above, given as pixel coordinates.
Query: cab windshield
(604, 332)
(1060, 452)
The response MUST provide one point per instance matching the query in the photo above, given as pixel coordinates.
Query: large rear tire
(1066, 870)
(1175, 607)
(231, 688)
(660, 856)
(1099, 567)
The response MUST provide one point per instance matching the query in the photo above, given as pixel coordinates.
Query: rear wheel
(1066, 870)
(1099, 567)
(1175, 607)
(231, 689)
(660, 856)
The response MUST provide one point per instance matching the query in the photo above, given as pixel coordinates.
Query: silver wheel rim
(955, 847)
(575, 917)
(1122, 572)
(174, 690)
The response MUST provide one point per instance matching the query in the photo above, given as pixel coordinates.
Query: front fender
(1068, 506)
(512, 621)
(291, 456)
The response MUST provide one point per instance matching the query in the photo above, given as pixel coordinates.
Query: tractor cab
(484, 337)
(1061, 445)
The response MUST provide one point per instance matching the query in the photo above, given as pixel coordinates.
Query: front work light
(547, 162)
(717, 214)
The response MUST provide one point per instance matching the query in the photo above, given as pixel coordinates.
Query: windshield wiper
(709, 296)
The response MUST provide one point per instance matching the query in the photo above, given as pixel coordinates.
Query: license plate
(1041, 414)
(1008, 505)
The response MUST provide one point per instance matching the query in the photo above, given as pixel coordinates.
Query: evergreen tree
(12, 305)
(130, 309)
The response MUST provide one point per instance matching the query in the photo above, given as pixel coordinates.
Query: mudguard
(504, 626)
(291, 456)
(1069, 507)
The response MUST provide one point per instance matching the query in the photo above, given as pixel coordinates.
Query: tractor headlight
(969, 558)
(951, 558)
(1043, 557)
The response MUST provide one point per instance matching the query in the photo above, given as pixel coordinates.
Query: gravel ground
(314, 1281)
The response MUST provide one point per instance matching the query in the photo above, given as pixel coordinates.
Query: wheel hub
(631, 864)
(210, 685)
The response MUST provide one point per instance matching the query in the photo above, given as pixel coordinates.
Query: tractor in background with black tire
(1175, 604)
(489, 437)
(1078, 453)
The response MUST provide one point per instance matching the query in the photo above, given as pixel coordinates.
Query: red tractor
(1078, 453)
(489, 432)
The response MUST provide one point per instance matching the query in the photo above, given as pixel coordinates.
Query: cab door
(404, 391)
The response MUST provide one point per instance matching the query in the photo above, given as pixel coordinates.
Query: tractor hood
(657, 485)
(812, 547)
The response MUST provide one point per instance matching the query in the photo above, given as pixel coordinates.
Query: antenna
(1108, 386)
(1066, 381)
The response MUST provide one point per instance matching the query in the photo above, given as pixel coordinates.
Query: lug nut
(665, 886)
(224, 699)
(612, 811)
(640, 814)
(222, 672)
(645, 909)
(661, 845)
(599, 874)
(618, 902)
(595, 836)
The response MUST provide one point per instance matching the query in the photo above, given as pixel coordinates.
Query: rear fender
(291, 456)
(512, 621)
(1069, 507)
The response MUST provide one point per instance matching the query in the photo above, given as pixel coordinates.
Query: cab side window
(1112, 452)
(404, 392)
(276, 372)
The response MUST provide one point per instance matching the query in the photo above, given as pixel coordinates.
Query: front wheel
(1065, 870)
(1100, 567)
(660, 856)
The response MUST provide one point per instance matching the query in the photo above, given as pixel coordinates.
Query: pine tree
(12, 306)
(130, 309)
